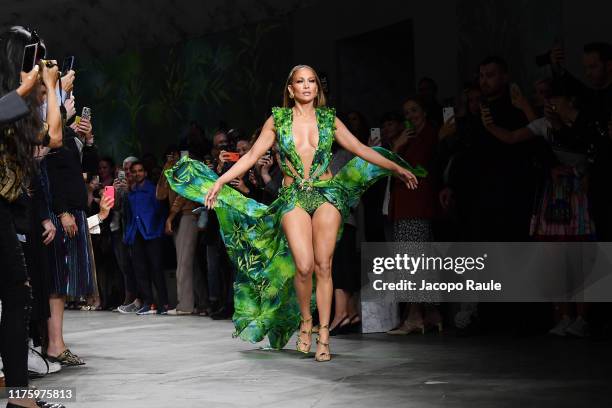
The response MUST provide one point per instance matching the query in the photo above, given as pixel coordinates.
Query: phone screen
(447, 113)
(374, 137)
(109, 191)
(86, 114)
(68, 64)
(233, 156)
(29, 57)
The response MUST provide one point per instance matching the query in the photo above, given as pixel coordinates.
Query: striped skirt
(71, 260)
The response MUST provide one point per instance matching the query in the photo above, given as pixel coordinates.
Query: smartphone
(109, 191)
(233, 156)
(77, 119)
(268, 154)
(68, 64)
(86, 113)
(95, 179)
(184, 153)
(447, 113)
(374, 137)
(29, 57)
(121, 175)
(408, 124)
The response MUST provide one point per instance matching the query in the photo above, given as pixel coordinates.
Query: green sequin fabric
(265, 303)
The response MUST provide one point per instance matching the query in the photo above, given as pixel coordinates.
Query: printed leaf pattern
(264, 296)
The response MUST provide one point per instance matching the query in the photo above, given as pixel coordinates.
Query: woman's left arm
(349, 142)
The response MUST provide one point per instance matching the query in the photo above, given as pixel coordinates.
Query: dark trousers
(124, 262)
(16, 298)
(147, 262)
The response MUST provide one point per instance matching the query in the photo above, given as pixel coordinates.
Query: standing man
(143, 233)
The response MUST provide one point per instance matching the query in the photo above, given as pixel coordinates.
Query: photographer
(21, 129)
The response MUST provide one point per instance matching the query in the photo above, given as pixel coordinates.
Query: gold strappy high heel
(301, 342)
(325, 356)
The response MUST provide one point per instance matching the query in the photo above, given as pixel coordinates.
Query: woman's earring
(290, 95)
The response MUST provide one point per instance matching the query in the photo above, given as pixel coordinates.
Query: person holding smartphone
(21, 127)
(413, 211)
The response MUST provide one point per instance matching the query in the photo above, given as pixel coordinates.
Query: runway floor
(163, 361)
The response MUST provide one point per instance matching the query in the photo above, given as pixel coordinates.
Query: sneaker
(131, 308)
(176, 312)
(579, 328)
(561, 328)
(53, 366)
(162, 310)
(146, 310)
(37, 365)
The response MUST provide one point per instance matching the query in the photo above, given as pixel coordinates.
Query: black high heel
(341, 328)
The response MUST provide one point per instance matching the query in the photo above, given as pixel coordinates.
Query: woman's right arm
(264, 143)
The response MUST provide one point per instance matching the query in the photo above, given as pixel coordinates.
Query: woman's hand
(253, 178)
(84, 128)
(106, 203)
(67, 81)
(211, 197)
(28, 80)
(168, 227)
(69, 224)
(238, 184)
(449, 128)
(407, 177)
(50, 76)
(48, 231)
(403, 139)
(265, 164)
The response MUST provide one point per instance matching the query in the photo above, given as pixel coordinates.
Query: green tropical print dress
(265, 302)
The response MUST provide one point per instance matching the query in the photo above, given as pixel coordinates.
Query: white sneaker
(37, 365)
(53, 367)
(129, 309)
(580, 328)
(561, 328)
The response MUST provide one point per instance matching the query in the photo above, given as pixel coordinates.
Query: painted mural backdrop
(144, 100)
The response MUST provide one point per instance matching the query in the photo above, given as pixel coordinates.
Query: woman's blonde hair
(289, 102)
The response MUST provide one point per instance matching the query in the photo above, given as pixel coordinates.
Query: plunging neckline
(314, 155)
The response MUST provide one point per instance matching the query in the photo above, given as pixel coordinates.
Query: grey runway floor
(163, 361)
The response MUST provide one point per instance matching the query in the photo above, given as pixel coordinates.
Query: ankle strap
(325, 326)
(305, 320)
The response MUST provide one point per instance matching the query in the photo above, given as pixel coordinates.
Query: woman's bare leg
(325, 224)
(55, 326)
(298, 230)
